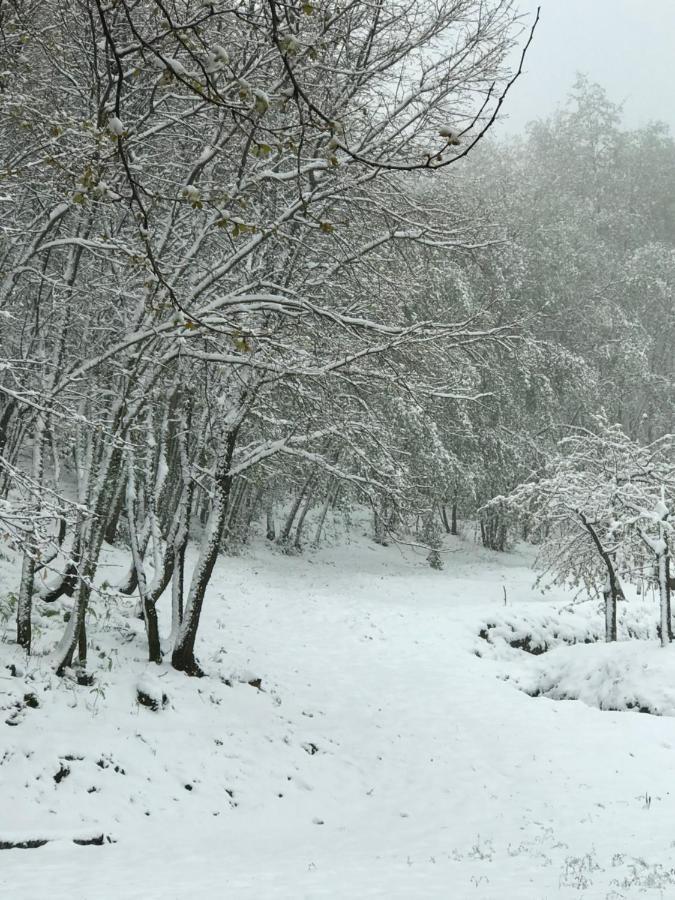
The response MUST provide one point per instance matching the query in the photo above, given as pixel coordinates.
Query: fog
(624, 45)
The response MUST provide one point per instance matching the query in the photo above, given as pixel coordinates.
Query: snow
(176, 66)
(115, 126)
(355, 737)
(661, 511)
(621, 676)
(150, 691)
(191, 191)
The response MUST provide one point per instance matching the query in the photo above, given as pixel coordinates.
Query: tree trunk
(177, 582)
(288, 524)
(10, 408)
(664, 593)
(172, 556)
(239, 490)
(493, 529)
(91, 542)
(25, 602)
(610, 612)
(663, 568)
(301, 521)
(71, 637)
(501, 537)
(16, 431)
(380, 528)
(24, 606)
(331, 492)
(612, 588)
(444, 517)
(65, 586)
(82, 643)
(152, 631)
(68, 581)
(271, 530)
(251, 507)
(183, 656)
(116, 511)
(453, 523)
(7, 413)
(147, 603)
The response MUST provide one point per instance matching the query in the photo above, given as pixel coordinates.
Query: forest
(271, 282)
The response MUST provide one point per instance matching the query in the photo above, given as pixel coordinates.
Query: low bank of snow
(347, 742)
(628, 675)
(541, 627)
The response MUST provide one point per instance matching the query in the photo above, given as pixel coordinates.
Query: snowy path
(383, 758)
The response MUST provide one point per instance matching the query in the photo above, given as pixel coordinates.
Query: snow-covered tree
(207, 204)
(599, 504)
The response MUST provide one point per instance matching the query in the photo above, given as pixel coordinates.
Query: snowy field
(389, 750)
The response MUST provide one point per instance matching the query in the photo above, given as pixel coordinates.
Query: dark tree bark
(91, 542)
(301, 521)
(7, 413)
(271, 529)
(66, 586)
(666, 587)
(290, 518)
(177, 583)
(612, 591)
(183, 656)
(24, 608)
(24, 629)
(82, 643)
(115, 512)
(444, 518)
(72, 636)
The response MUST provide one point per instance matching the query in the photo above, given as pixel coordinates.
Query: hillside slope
(386, 751)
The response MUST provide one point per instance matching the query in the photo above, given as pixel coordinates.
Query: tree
(598, 504)
(202, 234)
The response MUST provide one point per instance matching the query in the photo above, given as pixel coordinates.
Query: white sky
(627, 46)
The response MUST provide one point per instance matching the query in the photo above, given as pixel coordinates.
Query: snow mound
(150, 692)
(627, 675)
(539, 631)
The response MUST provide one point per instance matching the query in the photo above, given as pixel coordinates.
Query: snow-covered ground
(389, 752)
